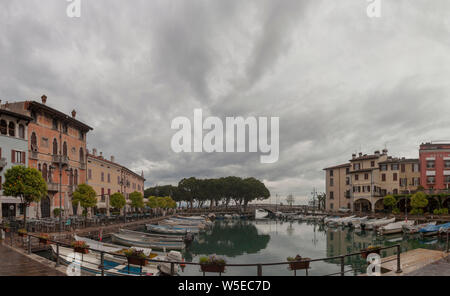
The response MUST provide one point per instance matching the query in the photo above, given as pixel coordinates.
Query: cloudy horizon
(339, 81)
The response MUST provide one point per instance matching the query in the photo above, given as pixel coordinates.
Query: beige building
(108, 177)
(338, 187)
(368, 179)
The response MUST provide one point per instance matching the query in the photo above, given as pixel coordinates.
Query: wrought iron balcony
(52, 187)
(63, 159)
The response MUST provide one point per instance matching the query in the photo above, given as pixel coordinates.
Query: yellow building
(108, 177)
(368, 179)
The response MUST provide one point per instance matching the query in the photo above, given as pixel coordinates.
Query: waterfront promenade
(17, 263)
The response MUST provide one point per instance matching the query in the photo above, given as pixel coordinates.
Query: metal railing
(173, 264)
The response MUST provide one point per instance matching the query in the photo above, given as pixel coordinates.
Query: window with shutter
(13, 156)
(23, 157)
(0, 152)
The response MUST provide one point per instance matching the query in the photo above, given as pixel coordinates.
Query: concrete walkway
(15, 263)
(438, 268)
(413, 261)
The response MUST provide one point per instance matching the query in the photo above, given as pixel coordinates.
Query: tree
(151, 203)
(290, 200)
(137, 200)
(321, 199)
(390, 201)
(26, 183)
(418, 202)
(117, 201)
(84, 195)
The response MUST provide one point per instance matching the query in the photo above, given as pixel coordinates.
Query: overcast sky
(340, 82)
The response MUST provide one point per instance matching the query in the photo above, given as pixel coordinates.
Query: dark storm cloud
(339, 81)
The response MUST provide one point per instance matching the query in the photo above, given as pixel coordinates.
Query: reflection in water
(228, 238)
(273, 241)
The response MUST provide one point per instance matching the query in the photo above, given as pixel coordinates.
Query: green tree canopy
(26, 183)
(419, 200)
(85, 196)
(151, 203)
(137, 200)
(117, 201)
(389, 201)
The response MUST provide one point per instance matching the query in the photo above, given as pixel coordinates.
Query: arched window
(21, 131)
(55, 147)
(44, 171)
(65, 149)
(12, 129)
(3, 127)
(75, 178)
(39, 168)
(70, 178)
(81, 155)
(34, 146)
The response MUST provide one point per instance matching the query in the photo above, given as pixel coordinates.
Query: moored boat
(394, 227)
(89, 263)
(431, 230)
(145, 242)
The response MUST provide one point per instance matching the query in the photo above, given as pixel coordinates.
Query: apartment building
(368, 179)
(338, 187)
(13, 152)
(57, 148)
(435, 161)
(107, 177)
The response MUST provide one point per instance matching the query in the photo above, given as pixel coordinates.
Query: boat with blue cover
(431, 230)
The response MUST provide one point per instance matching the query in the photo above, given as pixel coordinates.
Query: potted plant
(370, 249)
(297, 262)
(6, 227)
(135, 257)
(212, 264)
(80, 247)
(43, 238)
(22, 232)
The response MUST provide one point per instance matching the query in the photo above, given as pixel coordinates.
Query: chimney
(385, 151)
(112, 158)
(44, 99)
(353, 155)
(101, 154)
(74, 113)
(360, 154)
(94, 151)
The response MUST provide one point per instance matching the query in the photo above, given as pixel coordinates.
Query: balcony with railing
(63, 159)
(52, 187)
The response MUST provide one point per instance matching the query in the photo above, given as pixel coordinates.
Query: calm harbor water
(269, 241)
(242, 241)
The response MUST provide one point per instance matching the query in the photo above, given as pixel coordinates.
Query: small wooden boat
(164, 229)
(145, 242)
(160, 237)
(89, 263)
(378, 223)
(395, 227)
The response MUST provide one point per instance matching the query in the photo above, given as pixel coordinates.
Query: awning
(10, 199)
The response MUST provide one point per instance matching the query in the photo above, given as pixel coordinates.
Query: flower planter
(366, 252)
(137, 261)
(212, 268)
(81, 250)
(6, 229)
(296, 265)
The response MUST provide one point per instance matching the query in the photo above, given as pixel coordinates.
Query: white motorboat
(411, 229)
(379, 223)
(356, 221)
(89, 263)
(394, 227)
